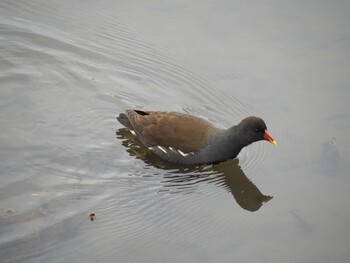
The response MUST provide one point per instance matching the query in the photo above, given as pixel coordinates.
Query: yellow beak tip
(274, 142)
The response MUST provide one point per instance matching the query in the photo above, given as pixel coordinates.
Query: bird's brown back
(171, 129)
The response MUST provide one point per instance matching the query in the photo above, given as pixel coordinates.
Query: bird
(186, 139)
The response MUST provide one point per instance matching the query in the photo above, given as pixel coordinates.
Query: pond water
(68, 68)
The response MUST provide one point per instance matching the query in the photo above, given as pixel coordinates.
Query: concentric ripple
(61, 91)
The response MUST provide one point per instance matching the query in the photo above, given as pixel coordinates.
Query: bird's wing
(171, 129)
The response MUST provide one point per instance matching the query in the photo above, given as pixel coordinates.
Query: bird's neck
(237, 138)
(227, 143)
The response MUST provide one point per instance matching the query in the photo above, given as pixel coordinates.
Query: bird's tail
(123, 119)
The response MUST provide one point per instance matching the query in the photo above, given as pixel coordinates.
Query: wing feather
(171, 129)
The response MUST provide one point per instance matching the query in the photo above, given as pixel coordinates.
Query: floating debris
(333, 141)
(92, 216)
(9, 211)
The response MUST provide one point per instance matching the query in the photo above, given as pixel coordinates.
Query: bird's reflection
(183, 178)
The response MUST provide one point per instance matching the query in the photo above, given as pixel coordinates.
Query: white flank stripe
(182, 153)
(171, 148)
(161, 148)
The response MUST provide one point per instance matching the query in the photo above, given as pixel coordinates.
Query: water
(68, 68)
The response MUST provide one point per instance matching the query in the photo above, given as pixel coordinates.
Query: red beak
(268, 138)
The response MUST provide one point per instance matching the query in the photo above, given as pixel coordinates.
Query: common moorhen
(185, 139)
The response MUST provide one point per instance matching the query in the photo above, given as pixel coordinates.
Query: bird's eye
(256, 130)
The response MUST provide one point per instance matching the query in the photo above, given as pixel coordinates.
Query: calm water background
(67, 68)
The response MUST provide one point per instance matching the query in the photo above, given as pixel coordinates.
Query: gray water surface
(68, 68)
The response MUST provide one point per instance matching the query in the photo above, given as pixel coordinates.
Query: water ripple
(65, 159)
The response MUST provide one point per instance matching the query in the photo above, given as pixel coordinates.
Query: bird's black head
(253, 129)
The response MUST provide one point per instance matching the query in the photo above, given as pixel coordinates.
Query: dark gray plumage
(185, 139)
